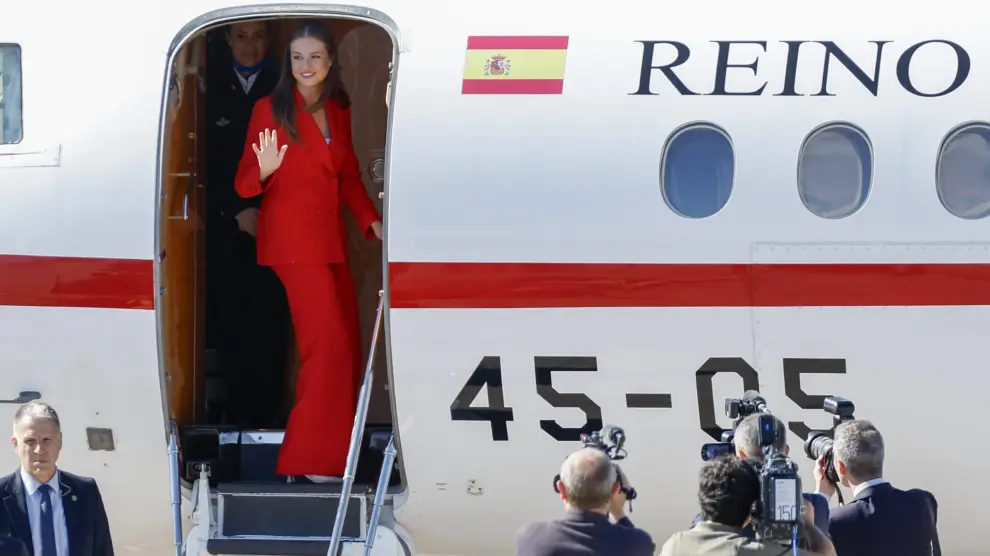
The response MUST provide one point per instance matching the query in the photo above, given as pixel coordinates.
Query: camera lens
(817, 445)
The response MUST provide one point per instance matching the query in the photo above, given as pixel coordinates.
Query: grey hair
(748, 436)
(859, 445)
(35, 411)
(588, 476)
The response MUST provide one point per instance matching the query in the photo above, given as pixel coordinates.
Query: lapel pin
(74, 498)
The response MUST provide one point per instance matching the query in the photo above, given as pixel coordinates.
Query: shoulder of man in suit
(77, 479)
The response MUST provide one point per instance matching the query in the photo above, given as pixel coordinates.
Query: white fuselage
(523, 182)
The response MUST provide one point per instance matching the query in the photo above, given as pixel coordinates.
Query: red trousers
(323, 303)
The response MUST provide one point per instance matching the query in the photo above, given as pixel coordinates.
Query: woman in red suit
(301, 236)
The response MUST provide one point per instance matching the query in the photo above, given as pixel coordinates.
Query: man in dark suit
(53, 512)
(880, 519)
(9, 546)
(589, 486)
(747, 445)
(247, 310)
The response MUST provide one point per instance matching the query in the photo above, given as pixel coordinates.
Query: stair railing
(357, 433)
(175, 491)
(380, 490)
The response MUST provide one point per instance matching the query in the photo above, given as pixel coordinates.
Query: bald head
(589, 479)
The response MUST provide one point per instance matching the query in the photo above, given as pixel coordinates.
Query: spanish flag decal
(515, 66)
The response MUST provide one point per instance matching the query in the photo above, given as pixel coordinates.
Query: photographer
(747, 445)
(880, 519)
(729, 487)
(589, 486)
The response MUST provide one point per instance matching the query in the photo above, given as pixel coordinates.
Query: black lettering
(706, 395)
(793, 369)
(790, 70)
(544, 387)
(646, 68)
(648, 401)
(723, 65)
(872, 85)
(488, 373)
(963, 66)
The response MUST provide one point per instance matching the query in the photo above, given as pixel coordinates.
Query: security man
(727, 491)
(747, 444)
(880, 519)
(589, 485)
(247, 310)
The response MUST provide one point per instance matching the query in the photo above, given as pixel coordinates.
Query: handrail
(383, 479)
(357, 433)
(173, 464)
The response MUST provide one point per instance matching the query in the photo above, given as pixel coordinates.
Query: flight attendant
(301, 236)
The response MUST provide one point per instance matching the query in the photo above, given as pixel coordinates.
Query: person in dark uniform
(590, 490)
(880, 519)
(247, 314)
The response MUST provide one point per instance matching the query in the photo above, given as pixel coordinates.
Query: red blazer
(300, 212)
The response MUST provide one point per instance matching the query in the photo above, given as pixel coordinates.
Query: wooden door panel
(181, 231)
(365, 52)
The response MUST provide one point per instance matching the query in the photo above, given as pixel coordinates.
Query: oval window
(963, 172)
(697, 170)
(835, 170)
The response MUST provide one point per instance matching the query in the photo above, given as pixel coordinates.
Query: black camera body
(610, 440)
(737, 410)
(819, 443)
(776, 514)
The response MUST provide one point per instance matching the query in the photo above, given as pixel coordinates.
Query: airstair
(260, 514)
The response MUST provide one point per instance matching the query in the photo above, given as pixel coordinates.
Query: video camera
(819, 443)
(610, 440)
(776, 514)
(737, 410)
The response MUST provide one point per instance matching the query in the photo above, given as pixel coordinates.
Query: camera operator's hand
(822, 484)
(617, 506)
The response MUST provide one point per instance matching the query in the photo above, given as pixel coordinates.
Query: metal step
(251, 455)
(269, 547)
(290, 511)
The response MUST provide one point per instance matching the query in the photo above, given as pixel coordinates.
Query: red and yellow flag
(515, 66)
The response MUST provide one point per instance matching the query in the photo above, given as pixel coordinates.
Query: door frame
(199, 25)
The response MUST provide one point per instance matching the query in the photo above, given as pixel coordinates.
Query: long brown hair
(283, 96)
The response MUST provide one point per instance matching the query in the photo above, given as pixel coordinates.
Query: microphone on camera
(756, 399)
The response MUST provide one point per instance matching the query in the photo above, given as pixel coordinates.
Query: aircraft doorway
(198, 384)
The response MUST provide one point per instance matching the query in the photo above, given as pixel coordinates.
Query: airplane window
(963, 171)
(835, 170)
(10, 94)
(696, 170)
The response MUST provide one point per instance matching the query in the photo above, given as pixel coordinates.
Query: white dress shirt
(863, 486)
(247, 83)
(31, 486)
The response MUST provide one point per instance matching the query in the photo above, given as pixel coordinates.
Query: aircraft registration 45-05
(591, 217)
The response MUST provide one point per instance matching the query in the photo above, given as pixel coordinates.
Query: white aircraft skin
(568, 178)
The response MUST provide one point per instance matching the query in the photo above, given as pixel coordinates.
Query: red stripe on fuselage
(532, 285)
(34, 281)
(129, 284)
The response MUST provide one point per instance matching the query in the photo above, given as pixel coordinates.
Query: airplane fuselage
(546, 258)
